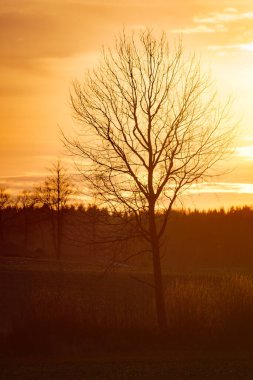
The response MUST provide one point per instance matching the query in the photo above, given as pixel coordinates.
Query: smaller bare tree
(55, 193)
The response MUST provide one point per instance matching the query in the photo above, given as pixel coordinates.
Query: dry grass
(42, 309)
(213, 306)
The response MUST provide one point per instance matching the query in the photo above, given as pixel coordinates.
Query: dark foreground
(67, 322)
(197, 367)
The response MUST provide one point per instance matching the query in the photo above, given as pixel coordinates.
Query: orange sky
(45, 44)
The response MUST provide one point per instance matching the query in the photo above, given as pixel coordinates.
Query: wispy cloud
(229, 15)
(201, 29)
(221, 187)
(245, 152)
(15, 184)
(238, 26)
(215, 22)
(247, 47)
(34, 31)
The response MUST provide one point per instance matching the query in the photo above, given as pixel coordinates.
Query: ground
(176, 366)
(23, 278)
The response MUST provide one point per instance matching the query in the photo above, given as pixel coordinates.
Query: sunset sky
(46, 44)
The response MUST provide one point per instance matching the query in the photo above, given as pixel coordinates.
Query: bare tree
(55, 193)
(150, 126)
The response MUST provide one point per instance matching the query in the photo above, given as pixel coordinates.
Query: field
(182, 367)
(76, 322)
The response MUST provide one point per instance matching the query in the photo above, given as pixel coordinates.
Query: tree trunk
(54, 232)
(59, 234)
(26, 230)
(94, 237)
(1, 228)
(158, 279)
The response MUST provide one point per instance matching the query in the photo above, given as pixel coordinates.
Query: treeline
(211, 239)
(44, 223)
(89, 233)
(48, 222)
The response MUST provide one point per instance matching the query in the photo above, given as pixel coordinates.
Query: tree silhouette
(55, 193)
(26, 201)
(5, 201)
(150, 126)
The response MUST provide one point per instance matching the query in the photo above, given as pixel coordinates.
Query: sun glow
(245, 152)
(41, 54)
(221, 187)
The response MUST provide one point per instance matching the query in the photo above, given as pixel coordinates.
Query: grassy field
(177, 369)
(72, 321)
(172, 366)
(43, 303)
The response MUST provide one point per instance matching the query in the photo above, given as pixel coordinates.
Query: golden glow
(221, 187)
(46, 44)
(245, 152)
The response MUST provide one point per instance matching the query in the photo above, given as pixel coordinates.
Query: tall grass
(212, 307)
(41, 309)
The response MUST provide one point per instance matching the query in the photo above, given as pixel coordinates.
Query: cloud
(63, 28)
(34, 31)
(216, 22)
(32, 35)
(238, 26)
(201, 29)
(229, 15)
(16, 184)
(247, 47)
(231, 10)
(221, 187)
(245, 152)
